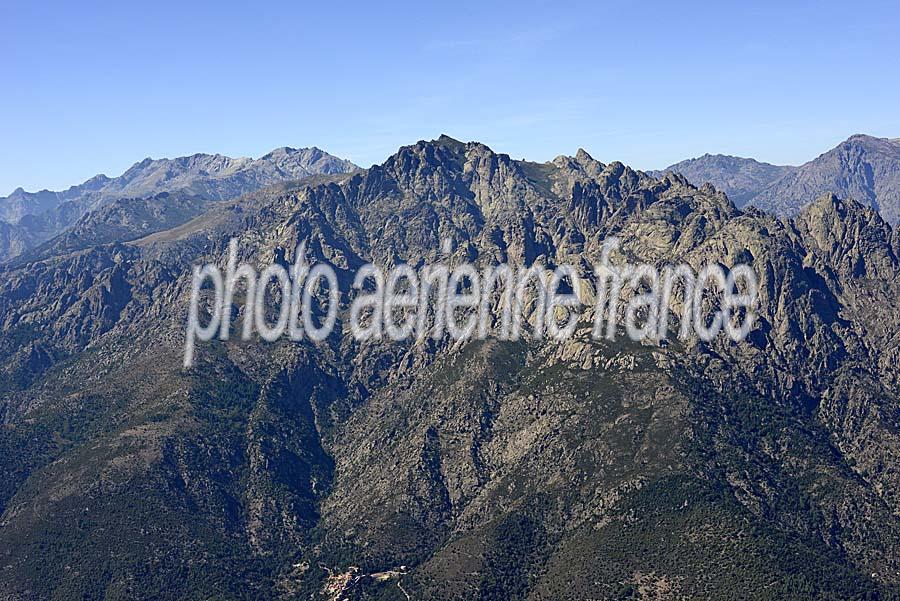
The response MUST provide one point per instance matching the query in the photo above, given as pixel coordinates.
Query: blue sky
(93, 88)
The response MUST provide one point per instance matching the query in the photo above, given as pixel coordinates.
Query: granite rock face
(490, 469)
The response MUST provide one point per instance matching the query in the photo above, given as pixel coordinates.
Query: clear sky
(94, 88)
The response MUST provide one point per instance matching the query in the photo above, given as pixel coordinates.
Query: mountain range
(428, 470)
(33, 217)
(862, 167)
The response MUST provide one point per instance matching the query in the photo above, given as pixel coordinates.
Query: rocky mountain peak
(448, 140)
(283, 151)
(831, 204)
(851, 236)
(582, 156)
(864, 139)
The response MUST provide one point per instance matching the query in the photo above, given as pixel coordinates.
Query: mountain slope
(488, 470)
(121, 220)
(741, 179)
(14, 239)
(862, 167)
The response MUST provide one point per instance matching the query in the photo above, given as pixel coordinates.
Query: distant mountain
(41, 215)
(864, 168)
(741, 179)
(121, 220)
(20, 203)
(13, 239)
